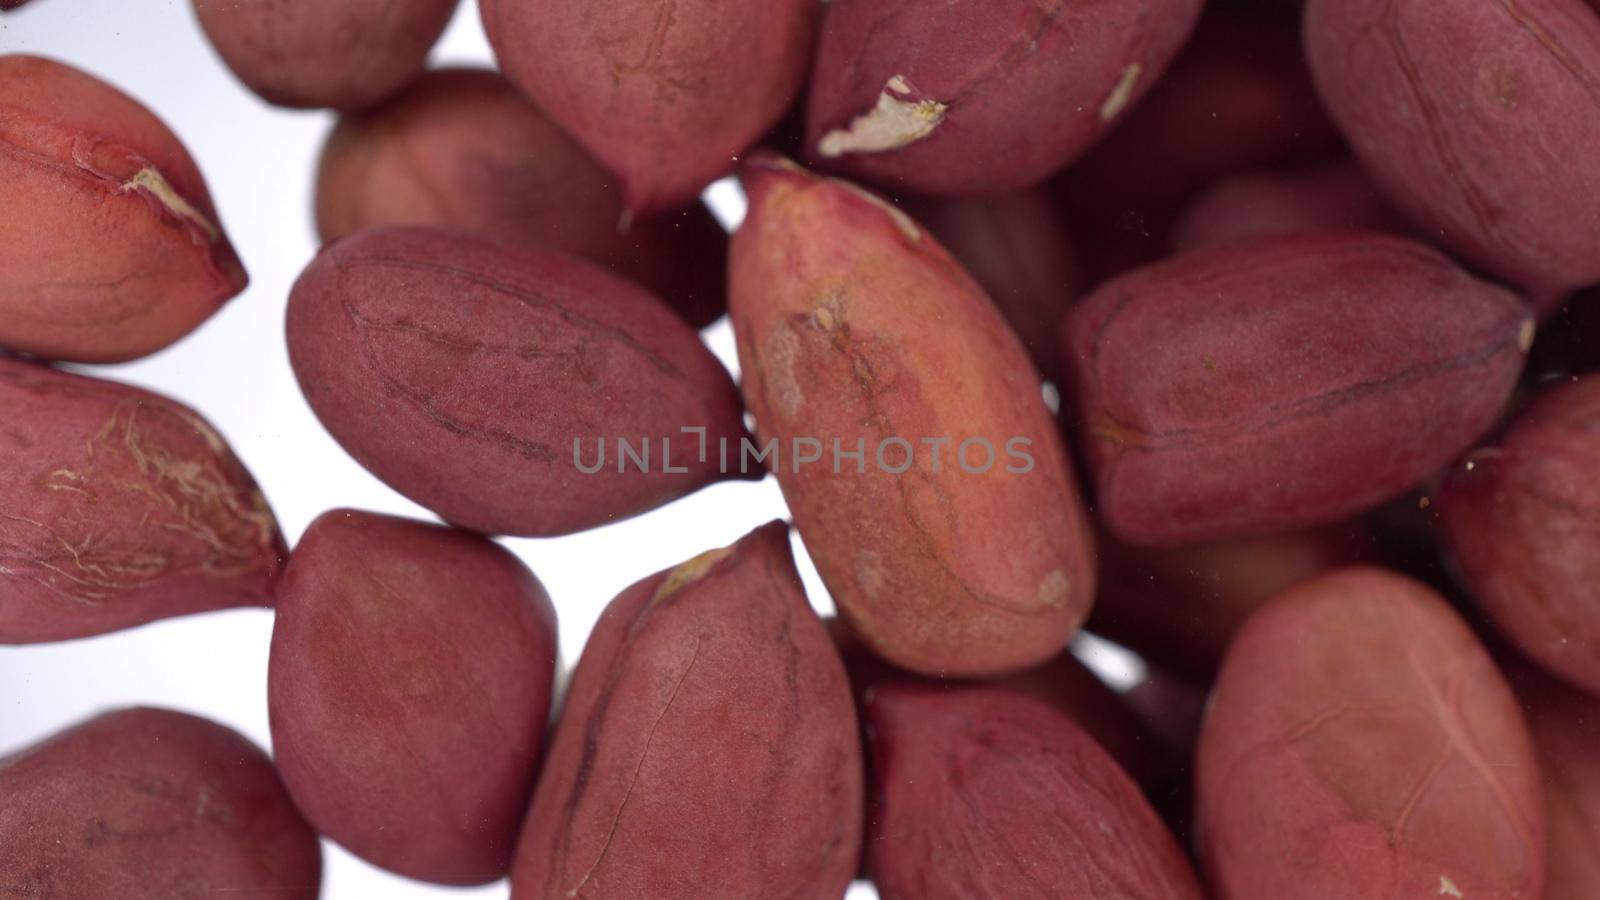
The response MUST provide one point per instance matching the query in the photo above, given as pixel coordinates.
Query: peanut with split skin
(119, 507)
(110, 248)
(977, 97)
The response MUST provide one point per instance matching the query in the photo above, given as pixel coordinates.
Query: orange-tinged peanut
(110, 248)
(855, 327)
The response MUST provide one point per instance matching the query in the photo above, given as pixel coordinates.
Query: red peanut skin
(1521, 519)
(110, 248)
(119, 507)
(1360, 743)
(149, 803)
(409, 690)
(984, 793)
(1476, 119)
(1327, 197)
(460, 148)
(1180, 607)
(708, 747)
(1018, 247)
(666, 95)
(1237, 99)
(1028, 86)
(306, 54)
(1566, 730)
(1284, 383)
(460, 372)
(853, 323)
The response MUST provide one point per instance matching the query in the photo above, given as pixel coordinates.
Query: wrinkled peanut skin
(667, 95)
(343, 54)
(982, 792)
(1326, 197)
(1521, 519)
(110, 248)
(119, 507)
(1479, 120)
(149, 804)
(1566, 730)
(460, 372)
(1179, 607)
(1360, 744)
(1284, 383)
(1018, 247)
(855, 325)
(1028, 85)
(708, 747)
(409, 690)
(460, 148)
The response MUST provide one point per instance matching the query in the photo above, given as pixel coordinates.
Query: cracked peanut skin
(119, 507)
(1566, 730)
(976, 97)
(1520, 517)
(708, 747)
(1479, 120)
(970, 781)
(1361, 745)
(110, 248)
(460, 148)
(150, 804)
(666, 94)
(409, 690)
(308, 54)
(1285, 382)
(854, 324)
(461, 372)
